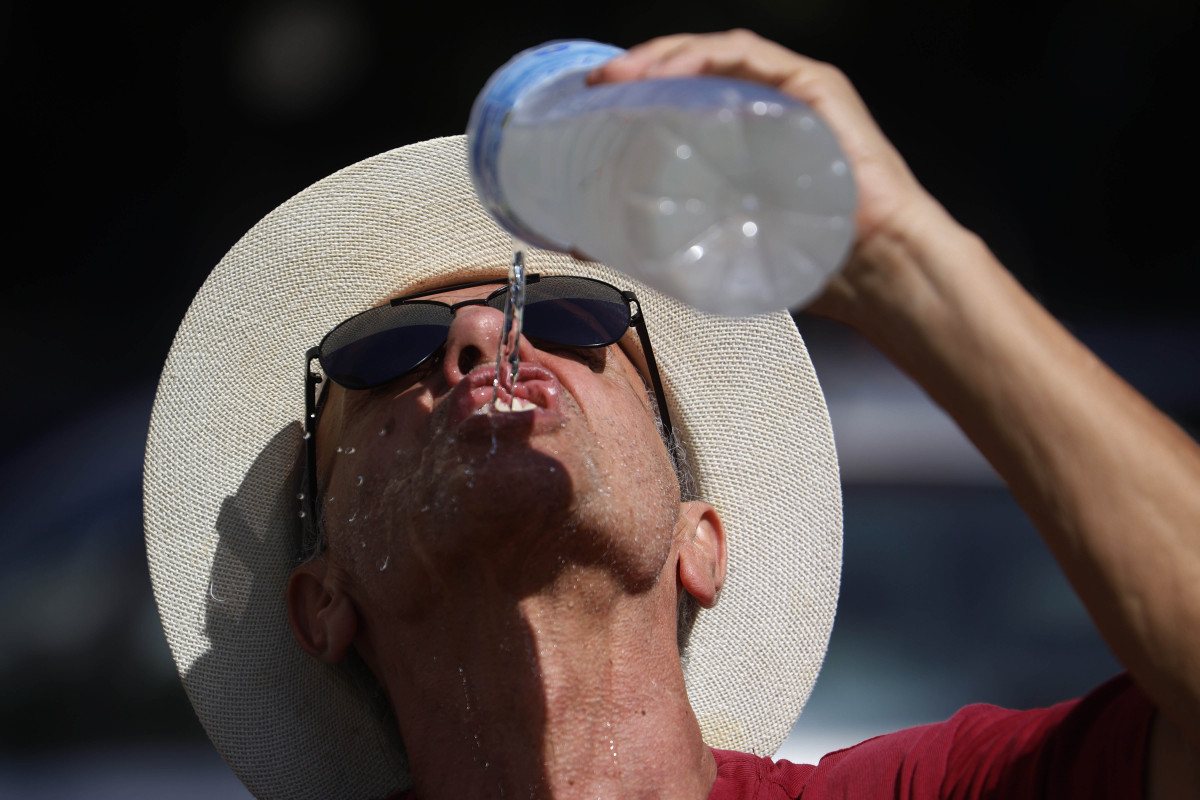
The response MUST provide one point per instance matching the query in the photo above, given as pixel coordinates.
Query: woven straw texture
(221, 482)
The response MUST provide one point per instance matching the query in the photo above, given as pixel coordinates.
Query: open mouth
(500, 406)
(528, 394)
(536, 393)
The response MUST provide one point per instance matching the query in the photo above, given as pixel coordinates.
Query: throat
(563, 695)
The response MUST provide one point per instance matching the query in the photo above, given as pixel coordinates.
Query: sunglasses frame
(313, 405)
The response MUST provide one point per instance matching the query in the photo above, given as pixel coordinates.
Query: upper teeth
(518, 404)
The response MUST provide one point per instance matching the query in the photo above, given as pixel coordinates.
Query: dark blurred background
(144, 139)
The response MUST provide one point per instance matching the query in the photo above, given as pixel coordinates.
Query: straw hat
(221, 477)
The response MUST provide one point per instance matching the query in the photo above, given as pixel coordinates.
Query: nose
(473, 340)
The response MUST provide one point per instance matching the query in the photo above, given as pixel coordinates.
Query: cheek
(641, 406)
(362, 511)
(371, 447)
(633, 442)
(371, 432)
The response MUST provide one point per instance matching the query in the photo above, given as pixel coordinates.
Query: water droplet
(307, 436)
(364, 544)
(383, 431)
(838, 167)
(300, 496)
(424, 509)
(749, 229)
(383, 566)
(359, 482)
(666, 205)
(301, 515)
(350, 451)
(683, 152)
(212, 592)
(806, 123)
(339, 448)
(695, 252)
(353, 517)
(759, 107)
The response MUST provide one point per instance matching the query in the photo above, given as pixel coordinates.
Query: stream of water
(508, 357)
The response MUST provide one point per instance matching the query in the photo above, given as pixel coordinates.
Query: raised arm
(1112, 484)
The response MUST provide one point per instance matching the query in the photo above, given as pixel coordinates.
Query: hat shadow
(287, 724)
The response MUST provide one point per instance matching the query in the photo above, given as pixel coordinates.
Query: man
(508, 585)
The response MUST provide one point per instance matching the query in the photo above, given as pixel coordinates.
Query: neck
(575, 691)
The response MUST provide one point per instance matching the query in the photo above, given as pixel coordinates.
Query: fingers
(745, 55)
(637, 61)
(736, 54)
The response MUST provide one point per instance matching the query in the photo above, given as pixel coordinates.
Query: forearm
(1112, 484)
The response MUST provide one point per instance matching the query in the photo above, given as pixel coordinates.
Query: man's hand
(892, 204)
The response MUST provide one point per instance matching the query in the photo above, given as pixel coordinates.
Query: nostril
(468, 358)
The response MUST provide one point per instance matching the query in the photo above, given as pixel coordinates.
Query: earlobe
(323, 618)
(702, 553)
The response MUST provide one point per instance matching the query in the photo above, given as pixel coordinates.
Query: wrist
(907, 273)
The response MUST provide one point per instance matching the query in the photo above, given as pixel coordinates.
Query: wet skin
(422, 485)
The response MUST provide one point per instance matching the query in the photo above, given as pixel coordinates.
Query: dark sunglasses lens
(383, 343)
(577, 312)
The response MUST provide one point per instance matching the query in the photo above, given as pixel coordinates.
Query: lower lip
(488, 425)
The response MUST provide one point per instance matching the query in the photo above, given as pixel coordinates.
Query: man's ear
(702, 552)
(324, 619)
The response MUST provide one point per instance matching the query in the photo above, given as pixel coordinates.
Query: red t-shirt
(1092, 748)
(1088, 749)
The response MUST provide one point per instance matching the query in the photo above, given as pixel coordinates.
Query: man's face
(423, 486)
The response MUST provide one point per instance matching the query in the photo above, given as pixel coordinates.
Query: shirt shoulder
(1091, 748)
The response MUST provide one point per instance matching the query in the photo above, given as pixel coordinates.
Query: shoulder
(1093, 747)
(742, 775)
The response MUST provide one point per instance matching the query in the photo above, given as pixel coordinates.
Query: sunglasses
(388, 342)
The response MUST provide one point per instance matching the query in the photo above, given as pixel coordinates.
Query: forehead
(450, 293)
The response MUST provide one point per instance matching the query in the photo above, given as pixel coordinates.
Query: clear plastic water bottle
(726, 194)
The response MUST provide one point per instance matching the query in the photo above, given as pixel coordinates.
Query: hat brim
(220, 484)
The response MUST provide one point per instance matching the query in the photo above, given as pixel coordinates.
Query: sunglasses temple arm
(311, 379)
(639, 323)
